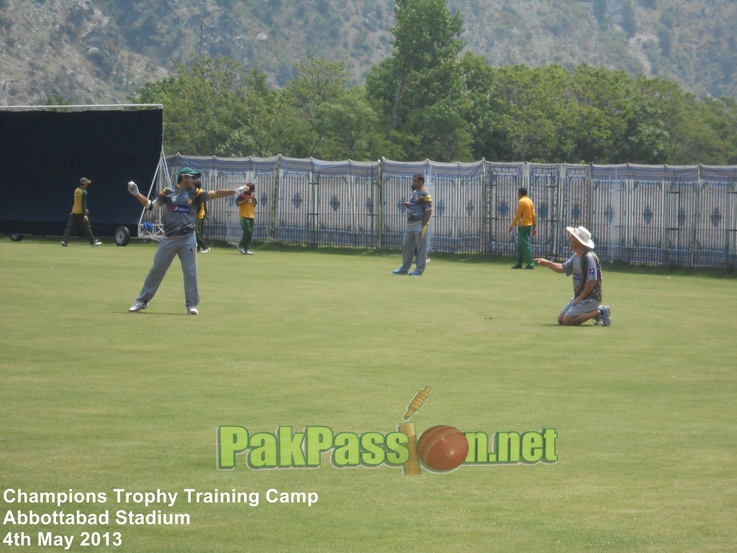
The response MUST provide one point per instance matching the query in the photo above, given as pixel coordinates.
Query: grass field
(95, 399)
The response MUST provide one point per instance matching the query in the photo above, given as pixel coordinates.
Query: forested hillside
(103, 50)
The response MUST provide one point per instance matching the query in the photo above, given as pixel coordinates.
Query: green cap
(187, 171)
(84, 180)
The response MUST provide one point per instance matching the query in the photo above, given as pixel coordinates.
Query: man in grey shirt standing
(181, 204)
(419, 211)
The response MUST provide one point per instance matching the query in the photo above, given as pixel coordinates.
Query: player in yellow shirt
(78, 216)
(202, 246)
(246, 203)
(526, 220)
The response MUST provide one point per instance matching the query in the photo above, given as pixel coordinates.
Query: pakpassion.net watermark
(440, 448)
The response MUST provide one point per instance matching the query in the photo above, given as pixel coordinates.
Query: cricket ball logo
(440, 448)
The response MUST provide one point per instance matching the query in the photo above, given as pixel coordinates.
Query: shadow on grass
(618, 267)
(153, 314)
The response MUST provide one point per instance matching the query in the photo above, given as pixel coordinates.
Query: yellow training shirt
(80, 202)
(246, 209)
(525, 213)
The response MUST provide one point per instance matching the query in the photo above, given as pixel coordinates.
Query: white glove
(240, 190)
(133, 188)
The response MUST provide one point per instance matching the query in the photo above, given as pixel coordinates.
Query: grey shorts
(584, 306)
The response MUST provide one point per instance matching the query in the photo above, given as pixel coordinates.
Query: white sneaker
(95, 244)
(205, 250)
(63, 243)
(192, 311)
(249, 252)
(138, 306)
(242, 251)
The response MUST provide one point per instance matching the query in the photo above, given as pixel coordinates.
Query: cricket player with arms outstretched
(181, 204)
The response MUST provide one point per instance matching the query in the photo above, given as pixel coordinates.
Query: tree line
(430, 100)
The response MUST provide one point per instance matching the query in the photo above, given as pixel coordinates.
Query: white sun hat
(582, 235)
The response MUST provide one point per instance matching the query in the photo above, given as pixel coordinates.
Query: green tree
(199, 104)
(673, 126)
(306, 102)
(419, 88)
(322, 118)
(528, 105)
(704, 144)
(426, 39)
(723, 118)
(351, 129)
(599, 113)
(479, 78)
(256, 130)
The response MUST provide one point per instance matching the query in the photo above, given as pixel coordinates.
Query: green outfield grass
(94, 398)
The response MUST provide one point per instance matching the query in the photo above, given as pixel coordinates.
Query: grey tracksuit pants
(186, 249)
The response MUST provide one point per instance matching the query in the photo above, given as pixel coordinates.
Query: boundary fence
(652, 215)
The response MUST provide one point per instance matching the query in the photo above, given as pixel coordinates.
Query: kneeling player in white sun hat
(586, 271)
(181, 204)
